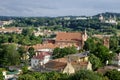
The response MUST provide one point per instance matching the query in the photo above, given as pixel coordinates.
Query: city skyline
(54, 8)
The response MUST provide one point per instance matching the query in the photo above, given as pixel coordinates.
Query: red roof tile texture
(69, 36)
(41, 55)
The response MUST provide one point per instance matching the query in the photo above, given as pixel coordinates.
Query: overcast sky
(57, 7)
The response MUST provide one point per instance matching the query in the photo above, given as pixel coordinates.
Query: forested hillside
(92, 24)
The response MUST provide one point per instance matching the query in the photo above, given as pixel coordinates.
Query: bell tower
(85, 35)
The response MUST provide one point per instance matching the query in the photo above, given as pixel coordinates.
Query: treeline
(80, 75)
(59, 23)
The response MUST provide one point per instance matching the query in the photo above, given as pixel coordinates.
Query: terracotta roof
(60, 64)
(50, 46)
(64, 60)
(41, 55)
(69, 36)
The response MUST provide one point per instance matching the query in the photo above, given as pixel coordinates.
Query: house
(63, 39)
(46, 47)
(64, 67)
(40, 58)
(116, 60)
(71, 38)
(11, 75)
(79, 57)
(110, 20)
(69, 64)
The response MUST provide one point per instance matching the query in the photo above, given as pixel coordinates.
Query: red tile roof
(41, 55)
(50, 46)
(69, 36)
(60, 64)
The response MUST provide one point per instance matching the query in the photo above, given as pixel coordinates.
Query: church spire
(85, 35)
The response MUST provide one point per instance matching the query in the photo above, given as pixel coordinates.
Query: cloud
(57, 7)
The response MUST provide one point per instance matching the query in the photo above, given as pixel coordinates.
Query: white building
(40, 58)
(111, 20)
(116, 61)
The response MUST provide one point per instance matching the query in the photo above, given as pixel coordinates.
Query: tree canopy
(61, 52)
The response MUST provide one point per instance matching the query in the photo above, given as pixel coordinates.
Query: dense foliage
(86, 75)
(113, 75)
(43, 76)
(26, 38)
(93, 25)
(61, 52)
(9, 55)
(1, 75)
(80, 75)
(99, 53)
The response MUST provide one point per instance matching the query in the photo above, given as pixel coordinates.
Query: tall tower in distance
(101, 18)
(85, 36)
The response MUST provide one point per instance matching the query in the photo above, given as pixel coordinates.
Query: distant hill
(107, 15)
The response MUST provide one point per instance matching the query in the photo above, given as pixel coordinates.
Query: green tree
(31, 52)
(25, 69)
(86, 75)
(11, 55)
(22, 51)
(113, 75)
(39, 76)
(26, 77)
(114, 43)
(61, 52)
(27, 31)
(1, 75)
(90, 45)
(95, 61)
(103, 53)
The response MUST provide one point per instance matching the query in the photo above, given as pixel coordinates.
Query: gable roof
(69, 36)
(55, 65)
(60, 63)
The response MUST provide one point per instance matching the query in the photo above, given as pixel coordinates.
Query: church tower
(85, 36)
(101, 18)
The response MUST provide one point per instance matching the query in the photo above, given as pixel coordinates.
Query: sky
(55, 8)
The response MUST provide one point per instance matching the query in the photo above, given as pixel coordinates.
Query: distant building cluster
(110, 20)
(2, 23)
(63, 39)
(11, 30)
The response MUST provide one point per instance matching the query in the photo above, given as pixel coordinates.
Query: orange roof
(60, 64)
(50, 46)
(44, 46)
(64, 60)
(41, 55)
(69, 36)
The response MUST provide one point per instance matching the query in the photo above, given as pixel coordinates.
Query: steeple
(85, 35)
(101, 18)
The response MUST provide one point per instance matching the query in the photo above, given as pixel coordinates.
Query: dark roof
(80, 55)
(55, 65)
